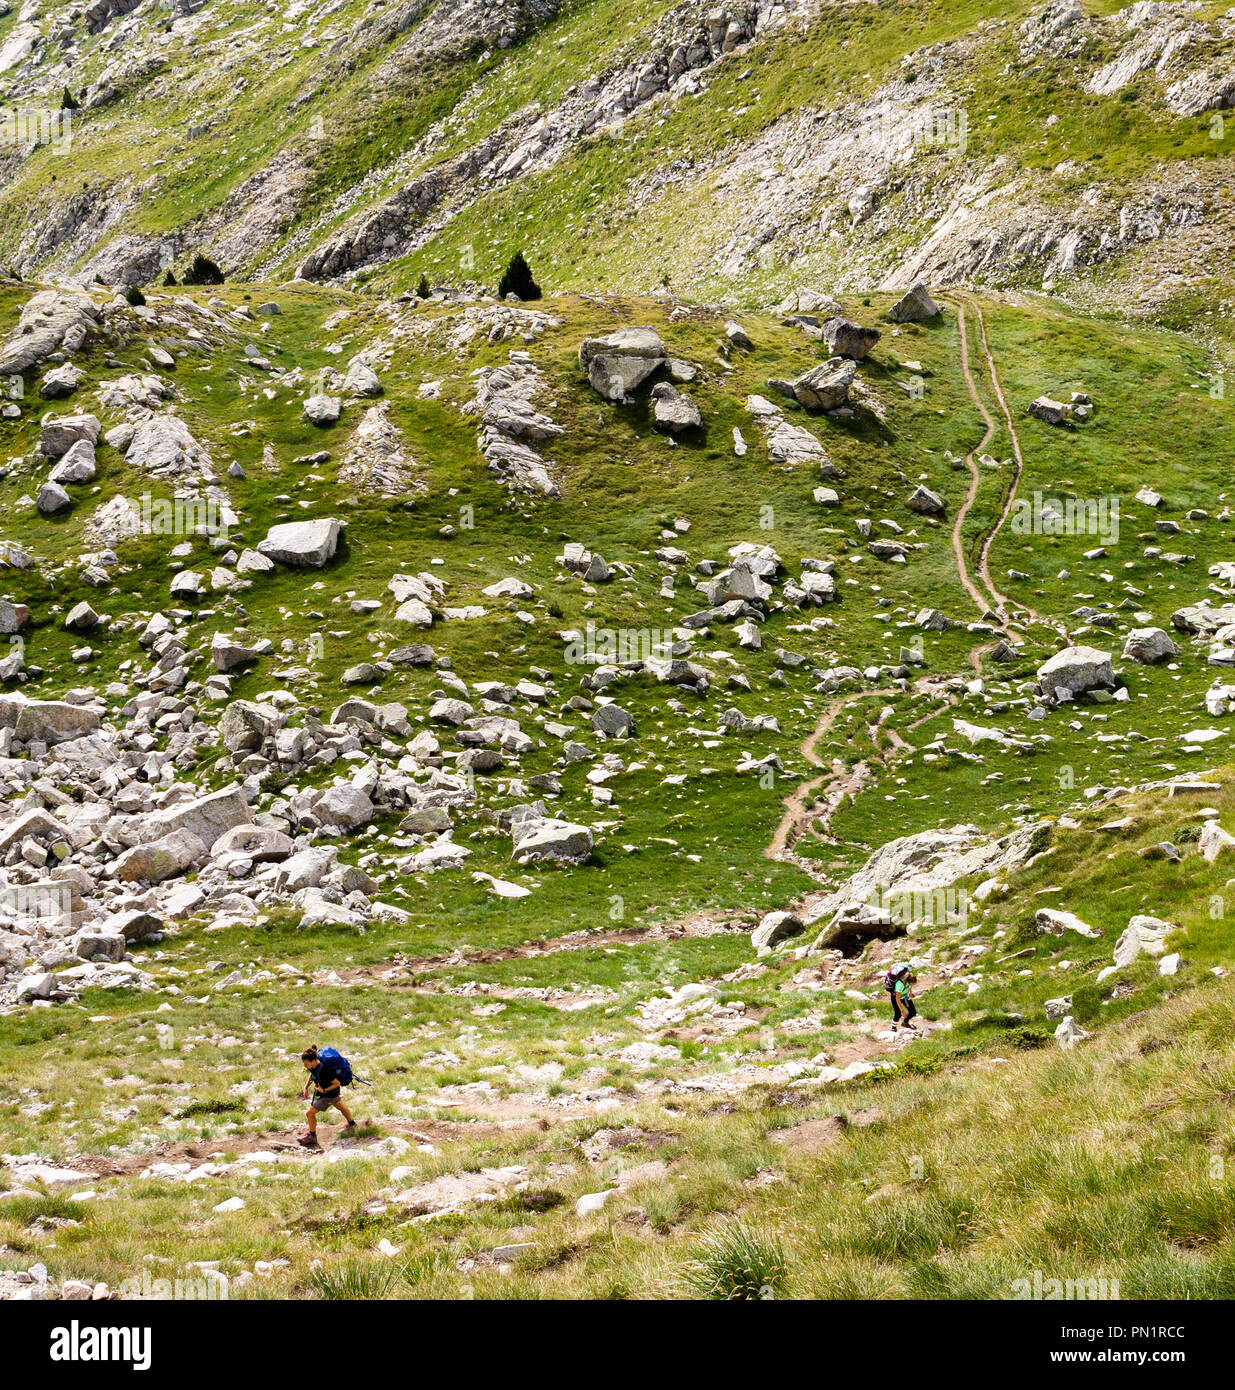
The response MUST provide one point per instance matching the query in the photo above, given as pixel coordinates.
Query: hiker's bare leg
(344, 1111)
(311, 1115)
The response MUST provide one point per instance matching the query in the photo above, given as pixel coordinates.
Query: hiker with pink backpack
(329, 1071)
(897, 982)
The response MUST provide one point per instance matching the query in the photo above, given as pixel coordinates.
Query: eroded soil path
(1000, 603)
(989, 600)
(796, 813)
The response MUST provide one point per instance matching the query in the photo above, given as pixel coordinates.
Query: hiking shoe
(351, 1124)
(308, 1141)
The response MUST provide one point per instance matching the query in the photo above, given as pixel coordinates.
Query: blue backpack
(342, 1067)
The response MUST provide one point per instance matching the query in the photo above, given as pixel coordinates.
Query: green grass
(1042, 1193)
(369, 109)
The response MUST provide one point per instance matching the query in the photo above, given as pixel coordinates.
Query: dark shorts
(323, 1100)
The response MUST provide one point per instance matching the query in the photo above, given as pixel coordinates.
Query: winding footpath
(799, 816)
(1000, 603)
(982, 602)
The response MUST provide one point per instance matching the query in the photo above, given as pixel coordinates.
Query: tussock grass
(733, 1262)
(355, 1281)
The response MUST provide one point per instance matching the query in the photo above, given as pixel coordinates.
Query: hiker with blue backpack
(329, 1071)
(898, 982)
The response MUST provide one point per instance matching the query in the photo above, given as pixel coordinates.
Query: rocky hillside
(734, 150)
(573, 707)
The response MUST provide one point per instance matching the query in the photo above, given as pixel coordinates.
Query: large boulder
(1149, 645)
(46, 721)
(302, 544)
(1056, 922)
(134, 923)
(914, 306)
(1050, 412)
(361, 379)
(1213, 841)
(52, 499)
(1074, 671)
(247, 724)
(739, 581)
(77, 464)
(13, 617)
(450, 711)
(618, 362)
(613, 721)
(206, 816)
(932, 859)
(672, 410)
(345, 806)
(81, 618)
(1143, 936)
(228, 654)
(59, 433)
(848, 339)
(61, 381)
(536, 838)
(99, 943)
(156, 860)
(50, 320)
(1069, 1033)
(36, 823)
(1200, 620)
(306, 869)
(776, 926)
(825, 387)
(854, 925)
(925, 502)
(164, 445)
(261, 843)
(322, 409)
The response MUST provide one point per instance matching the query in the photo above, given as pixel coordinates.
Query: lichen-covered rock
(302, 544)
(618, 362)
(51, 319)
(914, 306)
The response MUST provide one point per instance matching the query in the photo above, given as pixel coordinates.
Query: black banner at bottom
(72, 1339)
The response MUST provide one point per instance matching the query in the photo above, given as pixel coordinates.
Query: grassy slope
(622, 484)
(972, 1176)
(352, 115)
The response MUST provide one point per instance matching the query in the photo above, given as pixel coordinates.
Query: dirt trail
(796, 814)
(1000, 602)
(1018, 456)
(394, 972)
(798, 818)
(982, 602)
(282, 1141)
